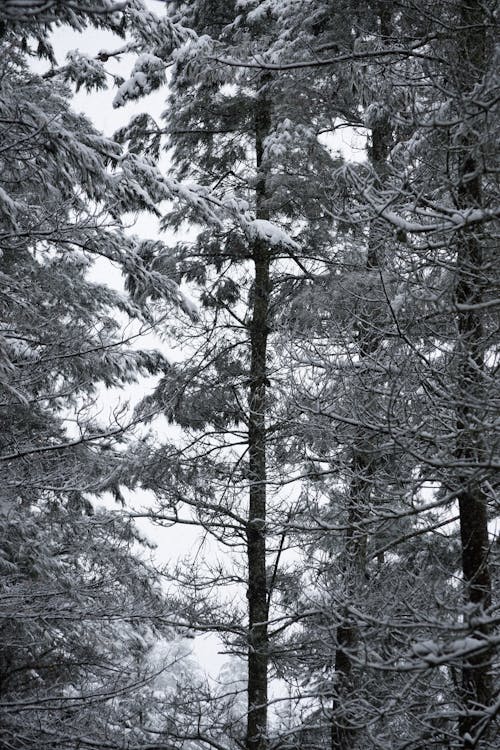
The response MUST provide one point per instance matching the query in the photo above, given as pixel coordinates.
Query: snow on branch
(399, 52)
(430, 653)
(21, 10)
(148, 74)
(453, 221)
(269, 232)
(438, 218)
(141, 176)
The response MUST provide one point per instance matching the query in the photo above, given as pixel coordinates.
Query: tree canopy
(327, 177)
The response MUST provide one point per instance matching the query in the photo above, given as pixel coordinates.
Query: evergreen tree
(363, 350)
(247, 145)
(409, 203)
(80, 609)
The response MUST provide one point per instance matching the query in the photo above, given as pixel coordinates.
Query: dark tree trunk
(345, 734)
(258, 645)
(476, 670)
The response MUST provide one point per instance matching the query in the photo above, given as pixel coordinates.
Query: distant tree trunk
(363, 464)
(258, 646)
(476, 671)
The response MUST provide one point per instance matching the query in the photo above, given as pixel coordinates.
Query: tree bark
(345, 734)
(477, 687)
(258, 641)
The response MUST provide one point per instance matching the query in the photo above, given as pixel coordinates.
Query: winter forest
(250, 404)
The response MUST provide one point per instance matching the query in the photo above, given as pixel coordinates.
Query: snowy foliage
(147, 75)
(330, 425)
(80, 608)
(84, 71)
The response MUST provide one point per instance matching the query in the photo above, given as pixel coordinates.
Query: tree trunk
(258, 646)
(476, 670)
(345, 734)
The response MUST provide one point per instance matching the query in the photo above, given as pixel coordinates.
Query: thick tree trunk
(476, 677)
(476, 671)
(258, 645)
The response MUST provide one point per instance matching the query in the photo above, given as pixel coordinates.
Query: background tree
(378, 412)
(80, 608)
(247, 145)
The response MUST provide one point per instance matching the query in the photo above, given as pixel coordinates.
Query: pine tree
(400, 425)
(424, 181)
(246, 144)
(80, 609)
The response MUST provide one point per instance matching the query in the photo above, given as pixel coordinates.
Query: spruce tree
(249, 148)
(389, 392)
(80, 608)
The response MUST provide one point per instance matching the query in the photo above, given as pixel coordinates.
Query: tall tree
(246, 142)
(383, 392)
(425, 182)
(80, 609)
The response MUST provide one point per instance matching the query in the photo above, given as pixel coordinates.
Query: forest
(293, 377)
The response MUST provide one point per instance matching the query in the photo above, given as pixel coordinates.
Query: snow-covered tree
(80, 609)
(337, 393)
(407, 375)
(245, 152)
(435, 217)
